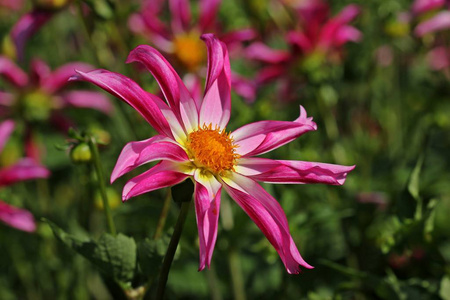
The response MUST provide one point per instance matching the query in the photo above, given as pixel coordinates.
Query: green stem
(236, 275)
(164, 274)
(101, 185)
(163, 215)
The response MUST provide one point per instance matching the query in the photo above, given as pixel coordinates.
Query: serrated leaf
(113, 255)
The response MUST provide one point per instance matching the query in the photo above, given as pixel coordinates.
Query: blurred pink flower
(422, 6)
(181, 38)
(12, 4)
(24, 169)
(192, 142)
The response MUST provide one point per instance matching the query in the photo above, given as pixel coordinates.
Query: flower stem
(101, 184)
(164, 274)
(163, 215)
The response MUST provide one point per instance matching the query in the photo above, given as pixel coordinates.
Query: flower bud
(81, 153)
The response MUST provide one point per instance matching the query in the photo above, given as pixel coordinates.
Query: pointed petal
(300, 40)
(347, 34)
(208, 13)
(244, 87)
(6, 128)
(25, 169)
(422, 6)
(264, 136)
(347, 14)
(129, 91)
(135, 154)
(11, 72)
(16, 217)
(262, 52)
(216, 104)
(298, 172)
(268, 215)
(60, 77)
(39, 70)
(89, 99)
(440, 21)
(162, 175)
(174, 90)
(207, 205)
(27, 26)
(180, 11)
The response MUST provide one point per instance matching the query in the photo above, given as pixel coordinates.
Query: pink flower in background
(11, 4)
(181, 38)
(192, 142)
(39, 96)
(24, 169)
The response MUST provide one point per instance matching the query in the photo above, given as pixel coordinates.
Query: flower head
(24, 169)
(193, 142)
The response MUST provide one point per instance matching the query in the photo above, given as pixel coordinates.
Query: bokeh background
(378, 91)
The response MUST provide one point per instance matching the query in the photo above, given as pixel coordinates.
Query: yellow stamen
(212, 149)
(189, 50)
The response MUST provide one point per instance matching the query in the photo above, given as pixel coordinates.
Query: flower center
(212, 148)
(189, 50)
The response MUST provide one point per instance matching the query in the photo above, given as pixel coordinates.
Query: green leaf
(151, 254)
(444, 291)
(113, 255)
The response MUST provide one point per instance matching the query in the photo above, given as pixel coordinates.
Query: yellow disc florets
(212, 149)
(189, 50)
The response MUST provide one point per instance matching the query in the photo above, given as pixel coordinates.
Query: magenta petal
(89, 99)
(129, 91)
(234, 39)
(27, 26)
(180, 11)
(135, 154)
(25, 169)
(440, 21)
(16, 217)
(347, 34)
(264, 136)
(298, 172)
(300, 40)
(216, 104)
(208, 13)
(439, 58)
(244, 87)
(173, 88)
(39, 70)
(261, 52)
(207, 205)
(59, 78)
(11, 72)
(162, 175)
(347, 14)
(268, 215)
(6, 128)
(270, 73)
(422, 6)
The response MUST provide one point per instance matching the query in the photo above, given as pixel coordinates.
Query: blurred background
(374, 75)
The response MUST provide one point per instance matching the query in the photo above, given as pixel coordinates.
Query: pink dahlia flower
(24, 169)
(181, 38)
(192, 142)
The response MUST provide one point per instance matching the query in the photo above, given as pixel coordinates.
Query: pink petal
(270, 73)
(261, 52)
(162, 175)
(207, 205)
(264, 136)
(347, 34)
(25, 169)
(208, 13)
(244, 87)
(235, 38)
(170, 83)
(39, 70)
(27, 26)
(6, 128)
(298, 172)
(129, 91)
(16, 217)
(268, 215)
(60, 77)
(347, 14)
(439, 58)
(216, 104)
(440, 21)
(135, 154)
(12, 72)
(300, 40)
(422, 6)
(180, 11)
(89, 99)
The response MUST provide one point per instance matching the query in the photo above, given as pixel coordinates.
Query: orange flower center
(189, 50)
(212, 149)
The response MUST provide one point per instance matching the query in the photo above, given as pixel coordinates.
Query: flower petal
(60, 77)
(261, 52)
(6, 128)
(16, 217)
(25, 169)
(298, 172)
(440, 21)
(135, 154)
(130, 92)
(208, 13)
(11, 72)
(422, 6)
(207, 205)
(162, 175)
(89, 99)
(346, 34)
(180, 11)
(174, 90)
(216, 105)
(268, 215)
(27, 26)
(264, 136)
